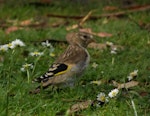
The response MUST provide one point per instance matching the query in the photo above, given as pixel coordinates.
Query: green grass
(14, 86)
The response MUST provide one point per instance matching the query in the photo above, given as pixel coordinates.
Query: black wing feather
(54, 69)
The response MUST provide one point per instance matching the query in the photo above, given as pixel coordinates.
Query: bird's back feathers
(73, 55)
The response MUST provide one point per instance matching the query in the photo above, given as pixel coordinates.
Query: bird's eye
(85, 36)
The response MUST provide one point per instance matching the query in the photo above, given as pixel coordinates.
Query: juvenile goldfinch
(69, 65)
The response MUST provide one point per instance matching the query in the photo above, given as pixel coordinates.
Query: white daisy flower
(102, 72)
(47, 44)
(109, 44)
(113, 93)
(17, 42)
(114, 48)
(94, 65)
(26, 66)
(11, 46)
(113, 52)
(129, 78)
(132, 75)
(4, 47)
(36, 53)
(101, 97)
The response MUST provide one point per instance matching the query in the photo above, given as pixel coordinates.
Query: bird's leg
(35, 91)
(38, 89)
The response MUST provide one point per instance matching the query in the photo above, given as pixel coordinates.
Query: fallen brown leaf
(110, 8)
(12, 29)
(79, 106)
(103, 34)
(99, 46)
(86, 30)
(125, 85)
(100, 34)
(72, 27)
(26, 22)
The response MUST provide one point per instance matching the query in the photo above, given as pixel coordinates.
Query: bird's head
(80, 38)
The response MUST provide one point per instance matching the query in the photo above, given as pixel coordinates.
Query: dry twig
(115, 14)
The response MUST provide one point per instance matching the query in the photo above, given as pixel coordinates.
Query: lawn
(33, 24)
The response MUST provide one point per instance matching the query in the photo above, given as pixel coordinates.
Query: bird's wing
(54, 70)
